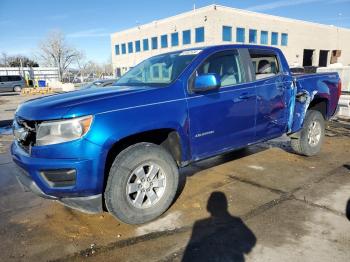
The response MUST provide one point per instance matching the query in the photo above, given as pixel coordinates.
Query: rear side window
(225, 64)
(265, 63)
(14, 78)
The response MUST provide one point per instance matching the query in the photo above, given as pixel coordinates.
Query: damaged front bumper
(88, 204)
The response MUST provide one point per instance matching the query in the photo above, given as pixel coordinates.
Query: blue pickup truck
(119, 148)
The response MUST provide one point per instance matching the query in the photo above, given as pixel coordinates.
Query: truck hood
(56, 106)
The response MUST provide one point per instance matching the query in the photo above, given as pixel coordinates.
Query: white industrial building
(303, 43)
(42, 73)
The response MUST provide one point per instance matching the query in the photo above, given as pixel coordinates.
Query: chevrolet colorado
(119, 148)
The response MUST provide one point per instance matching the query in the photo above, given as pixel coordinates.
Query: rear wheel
(311, 136)
(142, 183)
(17, 89)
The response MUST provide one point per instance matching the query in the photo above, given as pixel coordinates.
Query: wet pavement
(263, 203)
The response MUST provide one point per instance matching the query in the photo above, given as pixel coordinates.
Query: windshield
(159, 70)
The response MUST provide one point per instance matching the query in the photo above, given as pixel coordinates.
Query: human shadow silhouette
(347, 211)
(221, 237)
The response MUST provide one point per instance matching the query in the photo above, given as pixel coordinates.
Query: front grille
(30, 127)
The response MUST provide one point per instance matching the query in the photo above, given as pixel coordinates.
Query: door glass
(4, 79)
(226, 65)
(265, 63)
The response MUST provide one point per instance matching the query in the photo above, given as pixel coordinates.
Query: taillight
(339, 88)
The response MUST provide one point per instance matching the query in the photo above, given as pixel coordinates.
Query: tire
(17, 89)
(306, 144)
(127, 169)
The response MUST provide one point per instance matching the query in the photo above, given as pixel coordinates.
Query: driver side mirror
(206, 82)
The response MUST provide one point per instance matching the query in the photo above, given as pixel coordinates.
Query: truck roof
(221, 47)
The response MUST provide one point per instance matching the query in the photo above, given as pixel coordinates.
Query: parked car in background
(11, 83)
(120, 147)
(99, 83)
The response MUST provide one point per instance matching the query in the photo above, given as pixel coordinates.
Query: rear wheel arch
(321, 105)
(17, 88)
(308, 140)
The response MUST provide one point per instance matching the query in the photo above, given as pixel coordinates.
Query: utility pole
(21, 67)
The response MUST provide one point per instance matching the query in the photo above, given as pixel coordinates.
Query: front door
(222, 119)
(4, 83)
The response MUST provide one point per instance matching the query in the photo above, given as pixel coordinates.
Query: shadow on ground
(194, 168)
(231, 238)
(9, 94)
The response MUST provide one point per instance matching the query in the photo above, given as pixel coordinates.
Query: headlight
(55, 132)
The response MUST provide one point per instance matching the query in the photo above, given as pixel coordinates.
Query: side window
(14, 78)
(265, 63)
(4, 79)
(225, 64)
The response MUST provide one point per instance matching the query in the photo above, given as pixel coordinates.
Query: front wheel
(311, 135)
(142, 183)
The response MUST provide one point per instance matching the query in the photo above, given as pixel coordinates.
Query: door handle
(246, 96)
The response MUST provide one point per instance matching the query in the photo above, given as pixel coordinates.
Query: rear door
(222, 119)
(16, 81)
(272, 86)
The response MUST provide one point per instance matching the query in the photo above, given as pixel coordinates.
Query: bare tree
(81, 63)
(54, 51)
(20, 60)
(89, 69)
(107, 67)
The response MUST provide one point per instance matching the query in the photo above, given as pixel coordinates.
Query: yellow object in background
(36, 91)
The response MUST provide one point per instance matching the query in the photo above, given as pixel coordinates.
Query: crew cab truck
(119, 148)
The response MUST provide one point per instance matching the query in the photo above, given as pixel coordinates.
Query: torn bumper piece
(89, 204)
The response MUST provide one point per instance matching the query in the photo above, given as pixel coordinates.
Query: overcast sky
(87, 26)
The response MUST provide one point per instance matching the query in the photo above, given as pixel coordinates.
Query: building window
(145, 45)
(164, 41)
(199, 34)
(240, 35)
(227, 33)
(274, 38)
(186, 37)
(154, 42)
(137, 46)
(284, 39)
(130, 47)
(264, 38)
(253, 36)
(123, 48)
(174, 39)
(117, 50)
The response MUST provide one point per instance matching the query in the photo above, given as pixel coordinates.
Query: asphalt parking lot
(263, 203)
(9, 102)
